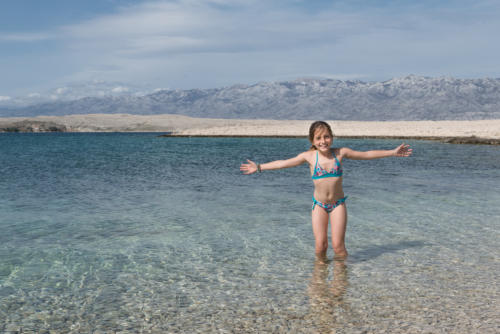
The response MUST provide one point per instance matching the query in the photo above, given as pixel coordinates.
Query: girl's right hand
(249, 168)
(402, 150)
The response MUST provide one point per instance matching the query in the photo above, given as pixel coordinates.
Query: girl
(326, 171)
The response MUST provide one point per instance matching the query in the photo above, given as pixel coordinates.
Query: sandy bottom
(188, 126)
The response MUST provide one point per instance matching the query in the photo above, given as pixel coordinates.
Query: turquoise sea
(133, 233)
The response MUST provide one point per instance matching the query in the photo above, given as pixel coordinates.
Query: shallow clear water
(136, 233)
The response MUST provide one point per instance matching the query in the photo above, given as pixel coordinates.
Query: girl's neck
(327, 154)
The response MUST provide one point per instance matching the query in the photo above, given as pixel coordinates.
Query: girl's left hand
(402, 151)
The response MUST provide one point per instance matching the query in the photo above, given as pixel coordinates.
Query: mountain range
(406, 98)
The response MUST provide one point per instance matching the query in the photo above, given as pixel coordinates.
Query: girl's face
(322, 140)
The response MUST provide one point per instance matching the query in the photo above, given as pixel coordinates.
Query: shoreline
(466, 132)
(449, 140)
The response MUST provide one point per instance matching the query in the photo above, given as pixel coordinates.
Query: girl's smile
(322, 140)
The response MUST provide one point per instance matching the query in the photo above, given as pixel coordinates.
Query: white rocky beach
(187, 126)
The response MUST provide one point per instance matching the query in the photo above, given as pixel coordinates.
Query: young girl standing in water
(328, 199)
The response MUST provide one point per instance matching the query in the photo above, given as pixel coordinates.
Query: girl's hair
(315, 126)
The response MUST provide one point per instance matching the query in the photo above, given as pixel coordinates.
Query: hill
(407, 98)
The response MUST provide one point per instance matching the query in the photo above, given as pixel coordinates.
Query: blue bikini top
(320, 172)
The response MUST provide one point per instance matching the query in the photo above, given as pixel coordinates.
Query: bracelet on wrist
(258, 168)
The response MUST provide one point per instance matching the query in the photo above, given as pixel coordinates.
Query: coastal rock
(472, 140)
(33, 126)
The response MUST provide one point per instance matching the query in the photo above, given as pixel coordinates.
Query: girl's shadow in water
(377, 250)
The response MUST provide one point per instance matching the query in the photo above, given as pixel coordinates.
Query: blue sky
(70, 48)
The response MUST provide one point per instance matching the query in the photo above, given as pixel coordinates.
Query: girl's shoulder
(337, 150)
(309, 155)
(340, 152)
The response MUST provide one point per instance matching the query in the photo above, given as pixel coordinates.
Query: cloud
(4, 98)
(61, 90)
(210, 43)
(341, 76)
(26, 37)
(176, 34)
(119, 89)
(169, 28)
(229, 42)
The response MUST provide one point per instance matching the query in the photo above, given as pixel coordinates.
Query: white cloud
(200, 27)
(210, 43)
(61, 90)
(120, 89)
(4, 98)
(164, 43)
(170, 39)
(338, 76)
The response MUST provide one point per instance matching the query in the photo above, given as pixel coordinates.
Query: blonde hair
(321, 126)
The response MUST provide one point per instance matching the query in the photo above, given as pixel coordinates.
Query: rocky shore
(32, 126)
(459, 132)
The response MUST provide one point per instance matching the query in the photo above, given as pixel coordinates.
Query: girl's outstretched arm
(252, 167)
(400, 151)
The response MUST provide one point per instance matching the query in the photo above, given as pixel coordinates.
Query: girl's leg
(338, 219)
(320, 230)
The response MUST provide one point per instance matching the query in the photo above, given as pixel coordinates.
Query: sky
(56, 49)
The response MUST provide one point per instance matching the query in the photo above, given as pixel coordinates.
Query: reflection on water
(327, 302)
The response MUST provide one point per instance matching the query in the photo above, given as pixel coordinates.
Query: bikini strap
(316, 164)
(335, 156)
